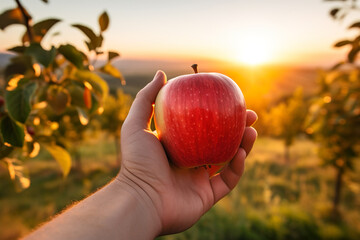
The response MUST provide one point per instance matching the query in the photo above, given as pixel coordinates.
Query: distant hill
(267, 84)
(141, 67)
(5, 59)
(138, 72)
(263, 83)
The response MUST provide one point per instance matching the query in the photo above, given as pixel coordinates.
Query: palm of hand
(180, 196)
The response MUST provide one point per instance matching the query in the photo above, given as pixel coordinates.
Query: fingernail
(160, 73)
(157, 73)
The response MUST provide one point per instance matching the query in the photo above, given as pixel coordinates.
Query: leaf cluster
(286, 119)
(339, 13)
(334, 117)
(44, 87)
(115, 111)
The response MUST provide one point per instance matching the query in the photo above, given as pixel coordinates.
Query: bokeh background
(76, 66)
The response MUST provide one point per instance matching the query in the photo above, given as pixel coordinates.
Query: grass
(280, 200)
(49, 192)
(274, 200)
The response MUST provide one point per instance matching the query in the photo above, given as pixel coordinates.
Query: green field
(274, 200)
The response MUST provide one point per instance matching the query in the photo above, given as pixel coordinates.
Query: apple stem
(194, 66)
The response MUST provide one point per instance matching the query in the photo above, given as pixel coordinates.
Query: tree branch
(27, 20)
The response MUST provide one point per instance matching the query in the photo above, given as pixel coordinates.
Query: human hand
(179, 197)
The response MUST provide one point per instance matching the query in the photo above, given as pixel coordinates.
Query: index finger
(251, 117)
(141, 110)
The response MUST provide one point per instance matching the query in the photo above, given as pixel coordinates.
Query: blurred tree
(43, 86)
(286, 120)
(334, 120)
(334, 117)
(71, 133)
(116, 109)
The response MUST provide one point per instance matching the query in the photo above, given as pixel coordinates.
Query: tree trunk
(78, 166)
(78, 162)
(337, 195)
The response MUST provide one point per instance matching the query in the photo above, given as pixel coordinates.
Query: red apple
(200, 120)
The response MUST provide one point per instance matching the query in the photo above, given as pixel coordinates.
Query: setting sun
(254, 50)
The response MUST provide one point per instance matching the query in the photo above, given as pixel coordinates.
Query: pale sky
(285, 31)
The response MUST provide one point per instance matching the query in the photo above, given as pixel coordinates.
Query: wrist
(143, 218)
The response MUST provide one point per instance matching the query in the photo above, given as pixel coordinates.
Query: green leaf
(99, 85)
(17, 49)
(338, 65)
(103, 21)
(61, 156)
(72, 55)
(94, 104)
(94, 40)
(355, 25)
(9, 17)
(351, 104)
(99, 41)
(58, 98)
(40, 29)
(83, 116)
(113, 71)
(90, 46)
(18, 174)
(5, 150)
(112, 55)
(12, 132)
(87, 31)
(333, 12)
(18, 101)
(20, 64)
(342, 43)
(41, 55)
(76, 91)
(352, 54)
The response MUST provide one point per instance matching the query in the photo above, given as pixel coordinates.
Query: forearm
(117, 211)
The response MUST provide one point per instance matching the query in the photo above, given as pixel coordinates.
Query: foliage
(334, 117)
(256, 209)
(339, 13)
(286, 119)
(115, 111)
(45, 86)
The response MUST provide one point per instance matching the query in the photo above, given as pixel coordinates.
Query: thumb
(141, 110)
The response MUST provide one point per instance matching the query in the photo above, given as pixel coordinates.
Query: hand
(179, 197)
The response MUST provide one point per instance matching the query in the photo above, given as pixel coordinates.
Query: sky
(291, 32)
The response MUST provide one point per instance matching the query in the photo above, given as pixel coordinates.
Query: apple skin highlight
(200, 119)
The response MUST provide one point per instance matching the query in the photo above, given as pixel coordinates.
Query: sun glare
(254, 50)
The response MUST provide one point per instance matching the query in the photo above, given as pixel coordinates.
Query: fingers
(224, 182)
(251, 117)
(141, 110)
(248, 140)
(250, 133)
